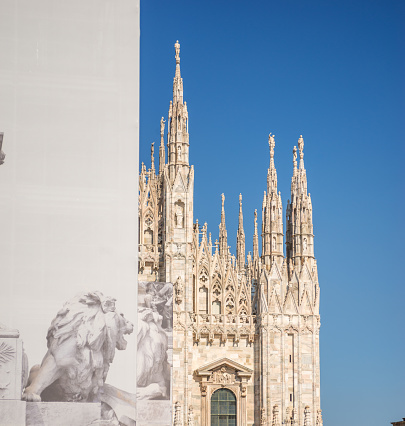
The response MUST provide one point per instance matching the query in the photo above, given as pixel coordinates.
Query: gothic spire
(272, 173)
(178, 138)
(301, 149)
(152, 157)
(223, 236)
(162, 153)
(255, 241)
(272, 228)
(299, 213)
(178, 81)
(240, 239)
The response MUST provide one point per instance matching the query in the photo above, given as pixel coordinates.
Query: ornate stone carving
(203, 389)
(6, 353)
(294, 418)
(86, 324)
(178, 418)
(13, 365)
(190, 419)
(307, 416)
(275, 421)
(263, 417)
(288, 416)
(319, 421)
(178, 289)
(222, 377)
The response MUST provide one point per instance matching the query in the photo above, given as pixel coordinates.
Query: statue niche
(179, 214)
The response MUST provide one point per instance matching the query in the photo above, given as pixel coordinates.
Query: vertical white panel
(69, 110)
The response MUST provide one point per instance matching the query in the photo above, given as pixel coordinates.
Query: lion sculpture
(81, 345)
(153, 368)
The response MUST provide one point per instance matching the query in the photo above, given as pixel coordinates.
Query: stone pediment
(224, 365)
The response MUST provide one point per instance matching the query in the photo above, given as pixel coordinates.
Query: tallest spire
(178, 144)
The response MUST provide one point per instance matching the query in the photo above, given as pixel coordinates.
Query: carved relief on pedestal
(13, 364)
(7, 354)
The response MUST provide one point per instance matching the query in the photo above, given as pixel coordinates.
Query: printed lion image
(81, 346)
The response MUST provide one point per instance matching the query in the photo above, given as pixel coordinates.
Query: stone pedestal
(13, 375)
(13, 365)
(12, 413)
(62, 413)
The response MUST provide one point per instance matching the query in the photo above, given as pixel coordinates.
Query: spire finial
(223, 201)
(177, 49)
(295, 157)
(162, 129)
(272, 144)
(301, 148)
(255, 221)
(240, 229)
(152, 157)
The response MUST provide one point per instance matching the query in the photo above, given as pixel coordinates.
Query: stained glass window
(223, 408)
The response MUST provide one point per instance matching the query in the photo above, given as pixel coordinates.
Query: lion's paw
(30, 396)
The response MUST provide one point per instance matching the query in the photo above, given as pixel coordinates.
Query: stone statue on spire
(301, 147)
(272, 144)
(162, 127)
(301, 143)
(152, 157)
(177, 48)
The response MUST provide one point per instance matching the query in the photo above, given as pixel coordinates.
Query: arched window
(223, 408)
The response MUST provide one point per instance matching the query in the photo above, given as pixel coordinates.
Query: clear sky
(332, 71)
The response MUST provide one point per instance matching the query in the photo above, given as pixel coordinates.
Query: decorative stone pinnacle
(162, 128)
(223, 200)
(152, 158)
(240, 199)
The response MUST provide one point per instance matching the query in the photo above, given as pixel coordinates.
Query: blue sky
(333, 72)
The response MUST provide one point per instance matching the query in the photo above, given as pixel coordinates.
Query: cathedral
(245, 327)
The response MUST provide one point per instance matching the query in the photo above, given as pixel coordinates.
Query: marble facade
(248, 324)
